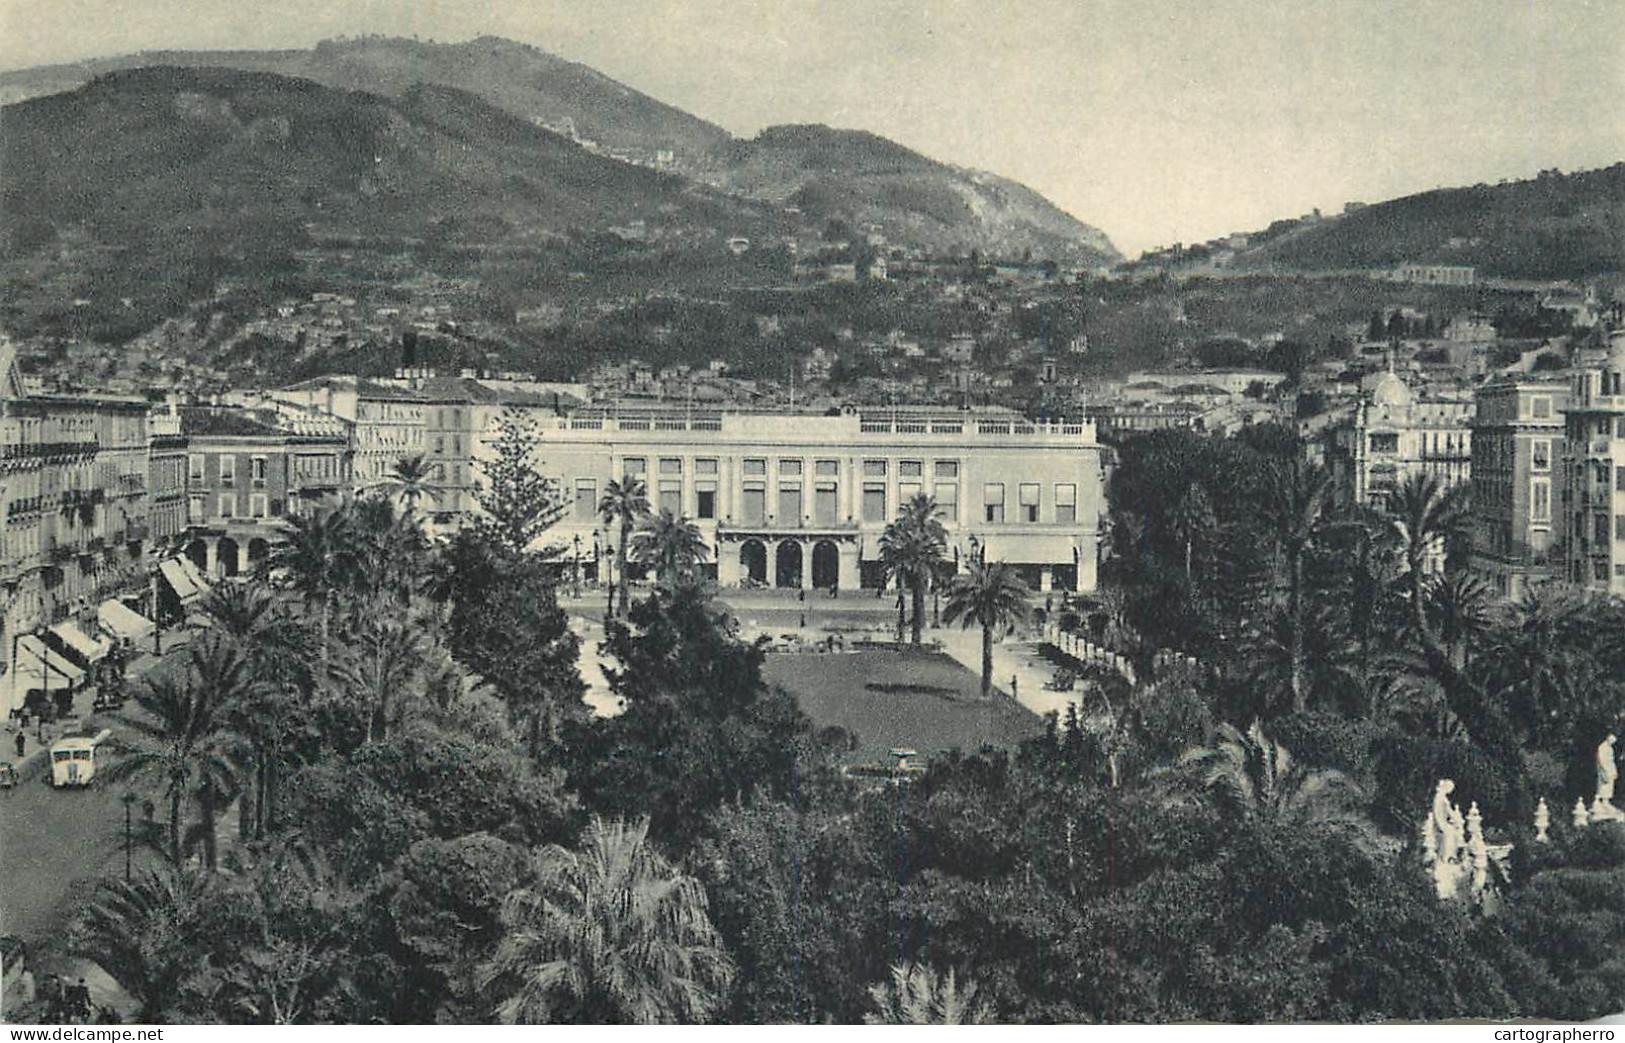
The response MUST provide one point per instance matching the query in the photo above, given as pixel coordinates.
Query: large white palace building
(800, 500)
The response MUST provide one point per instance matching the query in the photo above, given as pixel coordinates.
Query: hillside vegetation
(1554, 226)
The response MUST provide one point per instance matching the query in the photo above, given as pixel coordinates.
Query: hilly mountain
(1555, 226)
(850, 175)
(521, 80)
(149, 185)
(861, 178)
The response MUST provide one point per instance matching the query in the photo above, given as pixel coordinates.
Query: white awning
(1030, 549)
(81, 642)
(178, 580)
(122, 621)
(194, 574)
(33, 657)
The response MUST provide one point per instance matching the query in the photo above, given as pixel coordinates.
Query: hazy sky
(1151, 119)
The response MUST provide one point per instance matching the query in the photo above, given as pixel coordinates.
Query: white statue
(1582, 818)
(1543, 821)
(1602, 808)
(1442, 840)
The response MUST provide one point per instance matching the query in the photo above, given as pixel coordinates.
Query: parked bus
(73, 759)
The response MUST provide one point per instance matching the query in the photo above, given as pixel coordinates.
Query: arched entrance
(787, 564)
(226, 556)
(753, 561)
(826, 564)
(258, 551)
(198, 551)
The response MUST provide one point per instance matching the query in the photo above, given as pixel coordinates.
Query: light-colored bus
(73, 759)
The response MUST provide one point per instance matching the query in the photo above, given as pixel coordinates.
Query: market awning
(122, 621)
(1030, 549)
(194, 574)
(33, 659)
(179, 581)
(80, 642)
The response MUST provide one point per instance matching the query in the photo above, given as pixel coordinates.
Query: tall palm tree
(1253, 778)
(410, 481)
(917, 995)
(625, 503)
(142, 933)
(379, 666)
(672, 546)
(315, 559)
(1459, 605)
(1423, 511)
(913, 549)
(993, 597)
(171, 744)
(1295, 513)
(608, 933)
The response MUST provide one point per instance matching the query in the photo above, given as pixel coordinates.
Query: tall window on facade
(705, 500)
(228, 505)
(1619, 527)
(586, 499)
(1029, 501)
(993, 502)
(947, 495)
(789, 504)
(671, 497)
(826, 503)
(194, 509)
(753, 505)
(1066, 504)
(228, 469)
(1540, 455)
(194, 468)
(257, 470)
(256, 506)
(1540, 500)
(874, 501)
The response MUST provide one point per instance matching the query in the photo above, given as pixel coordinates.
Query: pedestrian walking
(22, 742)
(1013, 682)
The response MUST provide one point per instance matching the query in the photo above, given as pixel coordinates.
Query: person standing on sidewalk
(22, 742)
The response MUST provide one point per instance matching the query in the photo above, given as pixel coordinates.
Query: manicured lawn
(940, 709)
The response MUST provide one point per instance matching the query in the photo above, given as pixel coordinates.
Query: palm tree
(379, 663)
(608, 933)
(140, 932)
(912, 549)
(917, 995)
(1295, 512)
(672, 546)
(170, 744)
(624, 502)
(993, 597)
(315, 559)
(1423, 511)
(1253, 778)
(1459, 605)
(410, 481)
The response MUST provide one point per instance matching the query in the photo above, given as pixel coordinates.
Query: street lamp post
(576, 571)
(129, 801)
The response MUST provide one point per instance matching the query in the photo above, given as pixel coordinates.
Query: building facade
(386, 423)
(1517, 473)
(73, 492)
(248, 472)
(166, 477)
(801, 501)
(1594, 471)
(1393, 433)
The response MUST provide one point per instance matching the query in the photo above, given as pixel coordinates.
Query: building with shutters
(1518, 438)
(1594, 471)
(798, 500)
